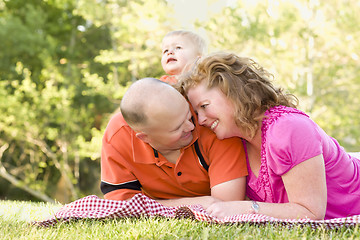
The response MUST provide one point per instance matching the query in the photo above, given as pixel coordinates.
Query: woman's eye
(165, 51)
(178, 47)
(204, 106)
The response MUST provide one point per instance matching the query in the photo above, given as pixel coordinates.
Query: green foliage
(64, 68)
(310, 48)
(48, 108)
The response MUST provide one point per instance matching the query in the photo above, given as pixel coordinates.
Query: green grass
(15, 218)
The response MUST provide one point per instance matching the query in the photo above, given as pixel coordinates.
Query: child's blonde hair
(198, 41)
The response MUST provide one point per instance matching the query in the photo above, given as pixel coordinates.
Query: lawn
(16, 216)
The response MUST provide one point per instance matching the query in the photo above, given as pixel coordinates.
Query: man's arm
(227, 172)
(228, 191)
(228, 169)
(117, 181)
(204, 201)
(120, 191)
(232, 190)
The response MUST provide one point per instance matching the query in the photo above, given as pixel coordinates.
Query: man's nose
(189, 126)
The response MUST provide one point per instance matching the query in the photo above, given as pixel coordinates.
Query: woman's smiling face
(214, 110)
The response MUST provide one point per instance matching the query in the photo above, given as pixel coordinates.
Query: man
(155, 147)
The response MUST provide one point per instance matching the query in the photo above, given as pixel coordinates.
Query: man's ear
(142, 136)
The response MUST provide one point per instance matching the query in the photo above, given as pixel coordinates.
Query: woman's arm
(305, 185)
(306, 188)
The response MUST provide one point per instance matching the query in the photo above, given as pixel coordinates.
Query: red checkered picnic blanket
(93, 207)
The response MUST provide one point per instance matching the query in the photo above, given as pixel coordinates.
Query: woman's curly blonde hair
(243, 81)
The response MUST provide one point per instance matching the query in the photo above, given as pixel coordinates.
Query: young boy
(180, 49)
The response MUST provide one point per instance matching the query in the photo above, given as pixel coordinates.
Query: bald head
(147, 100)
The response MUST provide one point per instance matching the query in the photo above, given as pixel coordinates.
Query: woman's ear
(142, 136)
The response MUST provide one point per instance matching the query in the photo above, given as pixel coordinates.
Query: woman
(295, 169)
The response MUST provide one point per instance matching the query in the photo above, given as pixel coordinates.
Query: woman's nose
(201, 118)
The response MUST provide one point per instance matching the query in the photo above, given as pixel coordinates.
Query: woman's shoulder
(286, 118)
(290, 139)
(291, 127)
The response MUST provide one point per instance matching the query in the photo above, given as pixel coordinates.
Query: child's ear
(142, 136)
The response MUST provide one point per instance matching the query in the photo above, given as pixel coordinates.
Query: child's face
(177, 52)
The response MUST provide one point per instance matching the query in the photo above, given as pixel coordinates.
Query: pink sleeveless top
(290, 137)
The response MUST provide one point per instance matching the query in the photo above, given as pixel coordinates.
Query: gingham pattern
(93, 207)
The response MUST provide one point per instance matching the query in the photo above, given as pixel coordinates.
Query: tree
(310, 48)
(60, 86)
(49, 102)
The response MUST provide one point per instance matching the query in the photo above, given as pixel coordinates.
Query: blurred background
(65, 64)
